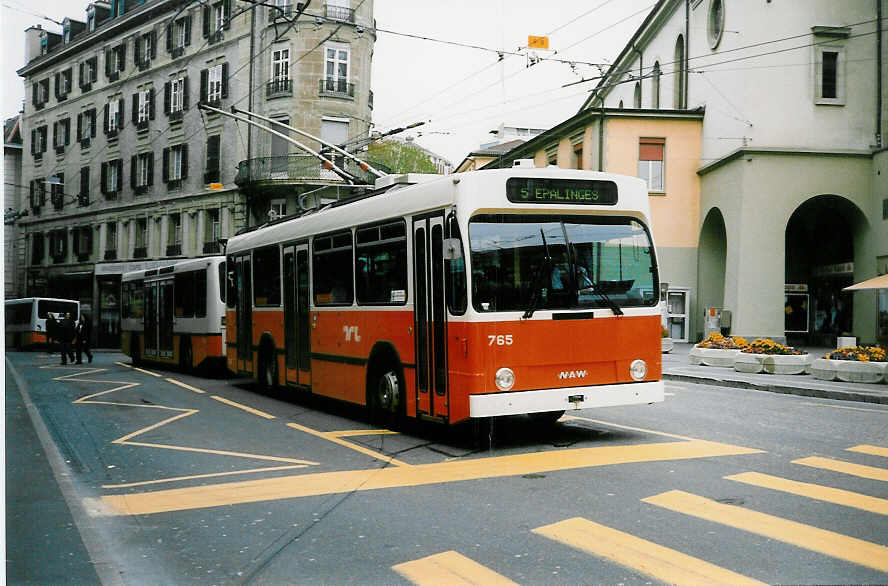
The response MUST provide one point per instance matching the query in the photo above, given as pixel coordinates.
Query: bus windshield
(527, 263)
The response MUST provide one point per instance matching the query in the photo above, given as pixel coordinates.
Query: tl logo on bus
(566, 374)
(351, 333)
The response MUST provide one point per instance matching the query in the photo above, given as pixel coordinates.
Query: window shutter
(122, 55)
(135, 112)
(105, 123)
(55, 134)
(57, 85)
(137, 59)
(67, 131)
(94, 70)
(167, 94)
(166, 165)
(133, 171)
(227, 23)
(103, 186)
(43, 139)
(108, 63)
(151, 104)
(205, 13)
(150, 168)
(79, 125)
(212, 174)
(225, 80)
(169, 38)
(184, 93)
(121, 116)
(92, 128)
(651, 149)
(34, 95)
(185, 161)
(204, 82)
(33, 142)
(119, 183)
(84, 183)
(188, 30)
(153, 42)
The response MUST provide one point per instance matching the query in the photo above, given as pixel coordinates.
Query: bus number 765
(500, 340)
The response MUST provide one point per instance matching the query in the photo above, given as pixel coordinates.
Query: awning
(880, 282)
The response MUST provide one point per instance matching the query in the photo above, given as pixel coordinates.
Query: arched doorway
(711, 256)
(820, 242)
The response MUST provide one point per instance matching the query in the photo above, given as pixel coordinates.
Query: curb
(838, 395)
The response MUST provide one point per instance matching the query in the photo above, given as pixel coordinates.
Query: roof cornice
(782, 151)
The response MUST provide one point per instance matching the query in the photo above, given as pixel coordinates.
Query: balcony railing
(212, 247)
(279, 87)
(174, 249)
(339, 13)
(140, 252)
(295, 169)
(336, 87)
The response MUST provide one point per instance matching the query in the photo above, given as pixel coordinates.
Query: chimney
(32, 42)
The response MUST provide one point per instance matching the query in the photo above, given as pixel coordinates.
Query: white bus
(175, 314)
(480, 294)
(26, 319)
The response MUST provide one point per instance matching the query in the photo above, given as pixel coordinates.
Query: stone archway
(711, 259)
(822, 236)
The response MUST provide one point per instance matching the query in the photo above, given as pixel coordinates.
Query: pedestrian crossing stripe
(871, 450)
(849, 468)
(858, 551)
(450, 568)
(827, 494)
(646, 557)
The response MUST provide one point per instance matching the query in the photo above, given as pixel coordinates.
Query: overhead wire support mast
(365, 166)
(327, 162)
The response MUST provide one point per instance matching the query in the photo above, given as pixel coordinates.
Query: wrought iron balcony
(336, 87)
(279, 87)
(290, 169)
(339, 13)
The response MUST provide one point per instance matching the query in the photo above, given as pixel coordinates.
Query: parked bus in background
(175, 314)
(452, 297)
(26, 319)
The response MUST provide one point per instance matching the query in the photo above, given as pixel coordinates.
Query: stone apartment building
(125, 172)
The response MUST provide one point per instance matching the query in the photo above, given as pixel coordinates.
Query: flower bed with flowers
(717, 350)
(858, 364)
(766, 355)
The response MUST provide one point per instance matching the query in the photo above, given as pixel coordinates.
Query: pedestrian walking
(67, 332)
(84, 332)
(52, 331)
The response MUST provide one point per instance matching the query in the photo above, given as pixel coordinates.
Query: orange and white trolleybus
(453, 297)
(175, 314)
(26, 319)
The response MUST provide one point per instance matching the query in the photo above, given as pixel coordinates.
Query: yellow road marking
(200, 476)
(184, 386)
(651, 559)
(822, 493)
(244, 407)
(325, 483)
(845, 467)
(334, 437)
(872, 450)
(222, 453)
(142, 370)
(836, 545)
(185, 413)
(450, 569)
(359, 432)
(641, 429)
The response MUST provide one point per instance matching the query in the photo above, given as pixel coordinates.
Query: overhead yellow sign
(537, 42)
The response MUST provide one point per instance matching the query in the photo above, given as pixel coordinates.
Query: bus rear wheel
(386, 398)
(268, 375)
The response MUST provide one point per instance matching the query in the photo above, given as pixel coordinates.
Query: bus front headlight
(638, 369)
(504, 379)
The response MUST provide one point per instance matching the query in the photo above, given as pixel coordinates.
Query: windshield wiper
(536, 293)
(610, 302)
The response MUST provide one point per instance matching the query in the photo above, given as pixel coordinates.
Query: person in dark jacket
(67, 333)
(84, 332)
(52, 331)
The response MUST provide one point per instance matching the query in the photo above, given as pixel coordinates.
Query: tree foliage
(400, 157)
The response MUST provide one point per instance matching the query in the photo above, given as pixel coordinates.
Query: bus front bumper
(574, 398)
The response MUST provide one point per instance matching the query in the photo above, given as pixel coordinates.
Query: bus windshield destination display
(569, 191)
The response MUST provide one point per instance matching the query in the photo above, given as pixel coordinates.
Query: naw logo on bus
(566, 374)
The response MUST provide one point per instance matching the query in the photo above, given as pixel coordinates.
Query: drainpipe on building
(878, 74)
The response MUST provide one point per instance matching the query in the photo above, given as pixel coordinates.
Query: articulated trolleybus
(175, 314)
(26, 319)
(517, 291)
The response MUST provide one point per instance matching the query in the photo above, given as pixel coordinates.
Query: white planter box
(666, 345)
(849, 371)
(713, 357)
(773, 363)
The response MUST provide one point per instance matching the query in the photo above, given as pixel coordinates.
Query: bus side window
(332, 269)
(381, 264)
(267, 285)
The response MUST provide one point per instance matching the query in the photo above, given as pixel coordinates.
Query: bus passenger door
(243, 314)
(166, 313)
(432, 396)
(151, 315)
(297, 329)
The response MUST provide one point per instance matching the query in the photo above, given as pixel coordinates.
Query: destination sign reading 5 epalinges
(567, 191)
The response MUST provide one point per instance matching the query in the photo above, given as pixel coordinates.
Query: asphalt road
(117, 475)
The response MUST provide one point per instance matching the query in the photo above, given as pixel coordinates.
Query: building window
(214, 84)
(112, 172)
(339, 10)
(650, 163)
(280, 73)
(655, 85)
(636, 96)
(143, 107)
(680, 77)
(174, 235)
(38, 141)
(145, 49)
(142, 172)
(111, 241)
(140, 249)
(175, 97)
(36, 248)
(40, 93)
(213, 172)
(63, 82)
(214, 90)
(715, 23)
(83, 196)
(86, 126)
(829, 75)
(115, 62)
(336, 68)
(113, 117)
(179, 36)
(578, 154)
(88, 73)
(82, 242)
(175, 165)
(212, 232)
(57, 191)
(61, 134)
(277, 209)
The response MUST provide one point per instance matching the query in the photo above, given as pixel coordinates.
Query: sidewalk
(677, 367)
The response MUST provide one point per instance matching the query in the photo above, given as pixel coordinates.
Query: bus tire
(546, 418)
(386, 396)
(186, 354)
(268, 369)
